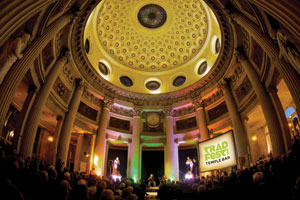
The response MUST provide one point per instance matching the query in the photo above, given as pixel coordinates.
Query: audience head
(107, 194)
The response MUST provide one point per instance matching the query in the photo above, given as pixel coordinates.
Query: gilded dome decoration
(153, 39)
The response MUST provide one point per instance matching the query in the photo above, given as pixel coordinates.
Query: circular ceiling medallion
(125, 80)
(202, 68)
(103, 68)
(152, 16)
(179, 80)
(152, 85)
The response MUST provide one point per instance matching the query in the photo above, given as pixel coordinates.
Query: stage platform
(151, 193)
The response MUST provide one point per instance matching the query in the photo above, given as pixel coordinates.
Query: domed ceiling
(156, 46)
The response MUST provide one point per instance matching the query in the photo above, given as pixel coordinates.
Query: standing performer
(151, 181)
(190, 163)
(116, 164)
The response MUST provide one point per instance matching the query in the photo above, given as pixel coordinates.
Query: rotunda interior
(85, 81)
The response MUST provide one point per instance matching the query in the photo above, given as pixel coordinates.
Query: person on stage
(116, 165)
(190, 163)
(151, 181)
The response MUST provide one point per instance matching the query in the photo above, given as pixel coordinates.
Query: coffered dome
(156, 46)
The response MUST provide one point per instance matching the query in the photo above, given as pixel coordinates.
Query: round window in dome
(202, 68)
(126, 81)
(152, 85)
(217, 45)
(179, 80)
(103, 68)
(87, 45)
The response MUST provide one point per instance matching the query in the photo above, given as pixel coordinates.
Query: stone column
(21, 118)
(171, 148)
(288, 73)
(238, 129)
(134, 154)
(266, 104)
(58, 127)
(33, 119)
(281, 116)
(201, 119)
(101, 140)
(66, 131)
(20, 68)
(78, 152)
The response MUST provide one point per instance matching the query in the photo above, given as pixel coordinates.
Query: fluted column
(22, 116)
(58, 127)
(281, 116)
(23, 11)
(134, 153)
(171, 148)
(78, 152)
(19, 69)
(288, 73)
(201, 119)
(266, 104)
(66, 131)
(100, 142)
(33, 119)
(238, 129)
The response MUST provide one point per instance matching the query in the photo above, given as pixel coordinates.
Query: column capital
(58, 118)
(80, 84)
(223, 84)
(199, 103)
(137, 111)
(31, 88)
(272, 89)
(240, 55)
(107, 103)
(168, 111)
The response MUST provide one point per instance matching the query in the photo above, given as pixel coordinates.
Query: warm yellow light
(98, 172)
(254, 138)
(50, 138)
(290, 124)
(11, 134)
(96, 160)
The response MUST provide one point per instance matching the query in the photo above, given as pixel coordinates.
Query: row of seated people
(31, 179)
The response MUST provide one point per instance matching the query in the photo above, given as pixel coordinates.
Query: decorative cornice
(137, 111)
(121, 111)
(168, 111)
(184, 111)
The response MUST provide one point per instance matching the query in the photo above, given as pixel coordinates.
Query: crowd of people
(32, 179)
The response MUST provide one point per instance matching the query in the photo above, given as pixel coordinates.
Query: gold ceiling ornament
(176, 40)
(179, 75)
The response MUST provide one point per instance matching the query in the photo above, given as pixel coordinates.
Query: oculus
(202, 68)
(125, 80)
(152, 16)
(103, 68)
(179, 80)
(87, 45)
(217, 45)
(152, 85)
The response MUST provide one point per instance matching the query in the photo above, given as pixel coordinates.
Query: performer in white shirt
(190, 163)
(116, 164)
